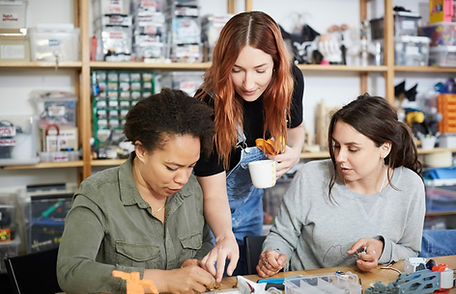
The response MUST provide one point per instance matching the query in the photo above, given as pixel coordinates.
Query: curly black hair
(170, 112)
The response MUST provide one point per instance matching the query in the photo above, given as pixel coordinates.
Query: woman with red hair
(256, 92)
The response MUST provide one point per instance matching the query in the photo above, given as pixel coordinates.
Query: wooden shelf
(435, 150)
(325, 154)
(63, 164)
(441, 213)
(107, 162)
(341, 68)
(151, 65)
(40, 65)
(432, 69)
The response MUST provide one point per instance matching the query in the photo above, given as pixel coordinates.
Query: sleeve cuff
(387, 248)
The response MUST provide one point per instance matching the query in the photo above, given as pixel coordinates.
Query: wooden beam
(388, 50)
(84, 95)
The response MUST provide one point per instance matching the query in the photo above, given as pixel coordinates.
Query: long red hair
(260, 31)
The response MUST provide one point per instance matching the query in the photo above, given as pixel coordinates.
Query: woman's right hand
(270, 263)
(189, 278)
(225, 248)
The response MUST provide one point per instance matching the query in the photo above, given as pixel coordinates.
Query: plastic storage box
(13, 14)
(54, 42)
(46, 220)
(334, 284)
(440, 195)
(443, 33)
(405, 23)
(444, 56)
(411, 50)
(8, 249)
(446, 105)
(14, 48)
(18, 140)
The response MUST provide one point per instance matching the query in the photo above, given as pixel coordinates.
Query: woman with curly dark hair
(146, 215)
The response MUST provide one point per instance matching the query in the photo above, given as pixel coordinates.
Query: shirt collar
(129, 193)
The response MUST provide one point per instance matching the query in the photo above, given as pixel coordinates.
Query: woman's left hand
(285, 161)
(373, 251)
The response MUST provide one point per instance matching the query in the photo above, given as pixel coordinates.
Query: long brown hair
(376, 119)
(260, 31)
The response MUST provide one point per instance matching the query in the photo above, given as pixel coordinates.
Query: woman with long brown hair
(365, 206)
(256, 92)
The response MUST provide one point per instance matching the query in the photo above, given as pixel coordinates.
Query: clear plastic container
(331, 283)
(54, 42)
(411, 50)
(444, 56)
(18, 140)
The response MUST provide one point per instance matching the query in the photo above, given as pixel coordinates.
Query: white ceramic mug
(263, 173)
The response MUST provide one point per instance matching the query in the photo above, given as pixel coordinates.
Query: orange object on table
(134, 284)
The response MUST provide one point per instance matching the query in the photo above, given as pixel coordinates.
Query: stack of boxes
(113, 28)
(442, 32)
(409, 48)
(149, 30)
(185, 30)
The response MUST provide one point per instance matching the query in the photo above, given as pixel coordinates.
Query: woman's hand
(225, 248)
(373, 251)
(189, 278)
(292, 154)
(285, 161)
(270, 263)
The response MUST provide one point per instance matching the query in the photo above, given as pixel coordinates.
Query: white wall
(335, 88)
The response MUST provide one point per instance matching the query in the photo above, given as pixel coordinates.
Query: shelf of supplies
(441, 213)
(40, 64)
(107, 162)
(62, 164)
(150, 65)
(325, 154)
(342, 68)
(434, 69)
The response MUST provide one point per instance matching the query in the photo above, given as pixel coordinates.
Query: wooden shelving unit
(84, 67)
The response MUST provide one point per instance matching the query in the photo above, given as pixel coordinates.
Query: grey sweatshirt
(314, 232)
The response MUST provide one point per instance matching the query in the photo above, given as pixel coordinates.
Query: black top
(253, 127)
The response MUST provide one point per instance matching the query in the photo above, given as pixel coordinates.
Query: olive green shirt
(110, 227)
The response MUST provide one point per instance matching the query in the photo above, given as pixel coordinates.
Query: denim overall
(246, 201)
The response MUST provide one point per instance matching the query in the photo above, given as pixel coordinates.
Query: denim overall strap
(245, 200)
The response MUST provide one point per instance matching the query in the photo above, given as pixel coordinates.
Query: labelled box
(18, 140)
(13, 14)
